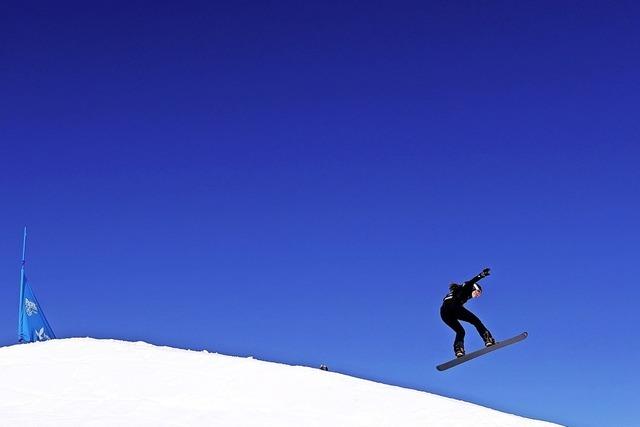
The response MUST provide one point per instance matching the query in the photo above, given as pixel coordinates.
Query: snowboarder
(452, 311)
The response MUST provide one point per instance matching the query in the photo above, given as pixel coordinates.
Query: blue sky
(300, 183)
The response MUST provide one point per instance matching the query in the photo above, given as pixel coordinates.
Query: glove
(485, 272)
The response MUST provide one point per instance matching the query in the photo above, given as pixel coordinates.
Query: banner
(33, 325)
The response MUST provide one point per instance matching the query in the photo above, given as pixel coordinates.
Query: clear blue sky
(301, 181)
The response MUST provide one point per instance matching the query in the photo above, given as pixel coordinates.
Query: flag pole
(24, 245)
(24, 251)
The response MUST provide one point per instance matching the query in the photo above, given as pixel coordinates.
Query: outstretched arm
(484, 273)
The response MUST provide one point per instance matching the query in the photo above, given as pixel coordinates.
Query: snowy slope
(88, 382)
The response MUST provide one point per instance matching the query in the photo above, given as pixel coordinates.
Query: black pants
(452, 313)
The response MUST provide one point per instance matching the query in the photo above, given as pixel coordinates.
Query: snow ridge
(90, 382)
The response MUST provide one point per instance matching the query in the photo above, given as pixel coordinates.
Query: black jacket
(460, 294)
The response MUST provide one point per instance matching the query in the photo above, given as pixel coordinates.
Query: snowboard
(477, 353)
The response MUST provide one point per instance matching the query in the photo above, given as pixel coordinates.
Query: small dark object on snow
(324, 368)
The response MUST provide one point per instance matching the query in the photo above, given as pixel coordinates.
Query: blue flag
(33, 325)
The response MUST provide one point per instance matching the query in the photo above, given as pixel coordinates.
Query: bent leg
(467, 316)
(449, 317)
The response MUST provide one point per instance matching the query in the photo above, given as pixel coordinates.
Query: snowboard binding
(488, 339)
(458, 349)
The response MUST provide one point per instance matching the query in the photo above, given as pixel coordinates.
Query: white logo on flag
(30, 307)
(42, 336)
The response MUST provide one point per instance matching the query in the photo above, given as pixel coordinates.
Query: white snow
(89, 382)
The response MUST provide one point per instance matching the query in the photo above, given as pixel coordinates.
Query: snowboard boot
(488, 339)
(458, 349)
